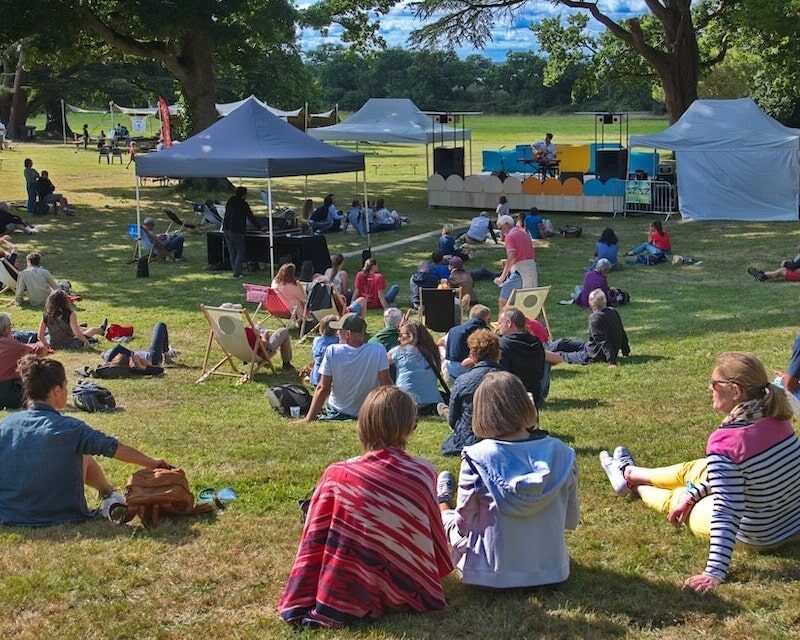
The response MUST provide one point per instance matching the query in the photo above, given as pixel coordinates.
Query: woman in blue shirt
(47, 457)
(415, 359)
(606, 248)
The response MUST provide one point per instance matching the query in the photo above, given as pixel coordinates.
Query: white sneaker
(613, 469)
(111, 506)
(624, 457)
(171, 355)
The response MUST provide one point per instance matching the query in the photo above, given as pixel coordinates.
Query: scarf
(745, 413)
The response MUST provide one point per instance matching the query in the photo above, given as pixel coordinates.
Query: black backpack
(90, 397)
(320, 213)
(285, 396)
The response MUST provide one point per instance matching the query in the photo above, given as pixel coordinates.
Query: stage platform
(569, 193)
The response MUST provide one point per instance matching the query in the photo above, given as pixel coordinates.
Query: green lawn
(221, 577)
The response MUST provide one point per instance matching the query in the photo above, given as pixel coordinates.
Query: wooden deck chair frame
(174, 219)
(254, 357)
(531, 303)
(456, 296)
(7, 279)
(269, 301)
(317, 313)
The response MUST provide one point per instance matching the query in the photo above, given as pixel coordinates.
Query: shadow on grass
(642, 358)
(567, 404)
(169, 530)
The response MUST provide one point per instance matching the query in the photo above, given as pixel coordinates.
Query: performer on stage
(544, 150)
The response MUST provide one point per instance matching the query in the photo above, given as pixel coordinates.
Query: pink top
(292, 295)
(742, 443)
(518, 241)
(10, 353)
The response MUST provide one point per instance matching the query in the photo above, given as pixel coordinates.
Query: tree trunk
(19, 98)
(54, 128)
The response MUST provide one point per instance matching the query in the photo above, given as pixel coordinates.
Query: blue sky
(507, 35)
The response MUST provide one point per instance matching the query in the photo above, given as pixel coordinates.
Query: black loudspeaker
(612, 163)
(500, 174)
(143, 267)
(448, 161)
(564, 175)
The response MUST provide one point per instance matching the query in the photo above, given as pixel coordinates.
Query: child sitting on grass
(327, 336)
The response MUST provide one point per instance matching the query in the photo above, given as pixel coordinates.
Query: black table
(293, 248)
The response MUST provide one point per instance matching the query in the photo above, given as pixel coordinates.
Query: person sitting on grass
(8, 250)
(348, 372)
(747, 487)
(417, 360)
(371, 285)
(383, 219)
(161, 244)
(607, 338)
(484, 350)
(606, 247)
(421, 279)
(11, 352)
(596, 278)
(517, 494)
(447, 244)
(461, 279)
(454, 342)
(60, 329)
(788, 271)
(480, 228)
(353, 564)
(656, 248)
(438, 267)
(535, 226)
(389, 336)
(327, 336)
(146, 362)
(48, 456)
(46, 191)
(522, 354)
(34, 281)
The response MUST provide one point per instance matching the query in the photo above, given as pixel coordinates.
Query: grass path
(221, 577)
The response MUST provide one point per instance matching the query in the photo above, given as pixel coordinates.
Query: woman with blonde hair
(746, 489)
(353, 562)
(517, 494)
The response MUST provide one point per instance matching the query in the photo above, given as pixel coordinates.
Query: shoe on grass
(112, 506)
(757, 274)
(442, 409)
(624, 457)
(445, 488)
(171, 355)
(613, 469)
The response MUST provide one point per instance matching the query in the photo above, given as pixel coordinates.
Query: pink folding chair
(269, 301)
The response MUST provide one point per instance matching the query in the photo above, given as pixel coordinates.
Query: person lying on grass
(788, 271)
(746, 489)
(47, 456)
(517, 494)
(373, 540)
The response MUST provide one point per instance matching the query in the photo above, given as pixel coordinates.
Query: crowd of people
(516, 483)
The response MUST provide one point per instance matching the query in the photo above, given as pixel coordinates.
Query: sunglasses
(220, 498)
(715, 383)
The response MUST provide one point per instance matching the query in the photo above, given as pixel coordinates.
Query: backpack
(618, 297)
(570, 231)
(285, 396)
(87, 396)
(320, 214)
(152, 493)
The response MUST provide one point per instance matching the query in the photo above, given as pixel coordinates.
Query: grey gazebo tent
(250, 142)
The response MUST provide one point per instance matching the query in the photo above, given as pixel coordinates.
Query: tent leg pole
(271, 236)
(138, 216)
(366, 213)
(427, 173)
(63, 120)
(305, 190)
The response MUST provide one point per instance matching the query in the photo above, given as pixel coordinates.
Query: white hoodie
(515, 500)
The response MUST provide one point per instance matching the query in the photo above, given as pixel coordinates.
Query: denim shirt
(41, 475)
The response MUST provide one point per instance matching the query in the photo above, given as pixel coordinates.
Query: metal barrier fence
(649, 196)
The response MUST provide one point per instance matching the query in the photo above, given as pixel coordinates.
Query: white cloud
(510, 33)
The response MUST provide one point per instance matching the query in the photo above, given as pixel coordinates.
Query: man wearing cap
(161, 244)
(519, 268)
(349, 371)
(459, 278)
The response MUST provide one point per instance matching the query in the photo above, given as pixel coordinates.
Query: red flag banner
(166, 130)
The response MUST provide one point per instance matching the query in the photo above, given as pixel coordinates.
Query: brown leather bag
(153, 493)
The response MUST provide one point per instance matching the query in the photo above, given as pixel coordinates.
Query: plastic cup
(294, 411)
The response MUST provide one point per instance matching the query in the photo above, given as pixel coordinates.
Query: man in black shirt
(521, 353)
(237, 214)
(607, 337)
(46, 191)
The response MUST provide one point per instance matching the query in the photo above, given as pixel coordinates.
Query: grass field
(221, 576)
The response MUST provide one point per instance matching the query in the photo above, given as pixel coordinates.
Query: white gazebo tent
(250, 142)
(396, 120)
(734, 162)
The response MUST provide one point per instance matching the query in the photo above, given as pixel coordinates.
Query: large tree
(672, 52)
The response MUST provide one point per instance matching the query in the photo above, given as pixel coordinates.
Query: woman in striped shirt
(746, 489)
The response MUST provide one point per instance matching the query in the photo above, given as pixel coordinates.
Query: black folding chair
(439, 309)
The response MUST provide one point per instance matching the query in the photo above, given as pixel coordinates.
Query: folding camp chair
(319, 303)
(440, 309)
(174, 219)
(269, 301)
(531, 303)
(230, 329)
(8, 277)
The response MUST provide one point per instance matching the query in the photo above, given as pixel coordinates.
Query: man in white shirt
(34, 280)
(349, 371)
(545, 149)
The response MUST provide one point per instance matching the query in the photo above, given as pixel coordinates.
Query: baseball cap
(351, 322)
(148, 221)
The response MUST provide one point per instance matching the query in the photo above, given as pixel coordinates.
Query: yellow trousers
(667, 487)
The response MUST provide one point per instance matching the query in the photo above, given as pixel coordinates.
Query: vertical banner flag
(166, 131)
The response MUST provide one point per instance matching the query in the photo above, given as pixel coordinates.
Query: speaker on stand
(448, 161)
